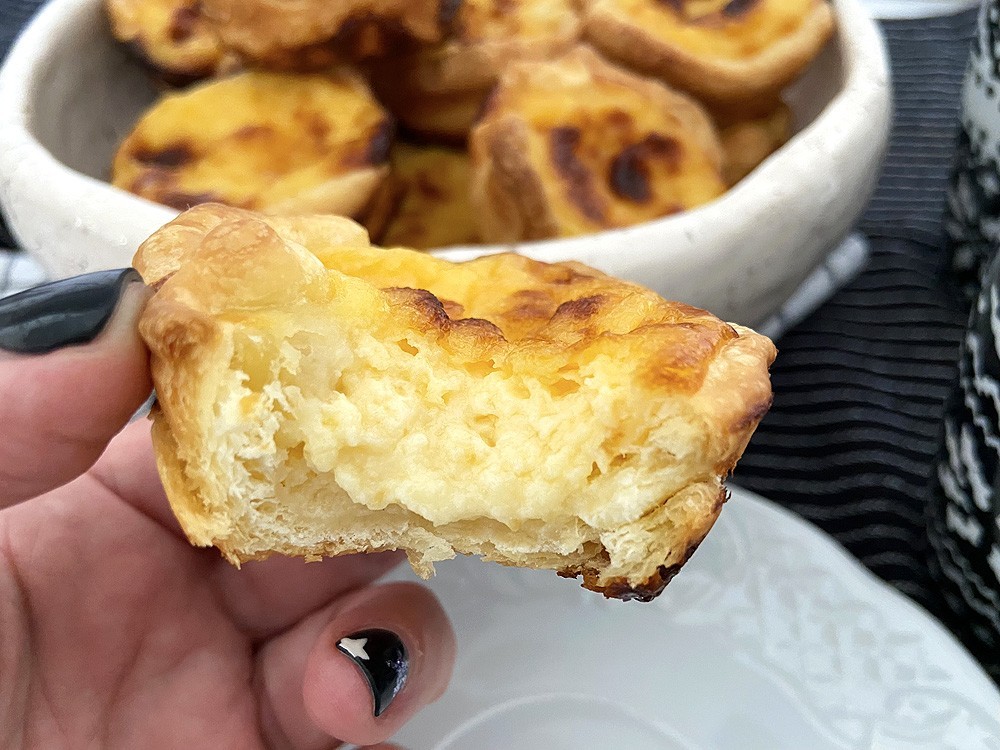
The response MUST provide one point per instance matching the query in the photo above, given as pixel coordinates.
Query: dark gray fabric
(928, 63)
(13, 15)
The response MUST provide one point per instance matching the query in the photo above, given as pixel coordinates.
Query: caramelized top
(433, 187)
(172, 36)
(730, 29)
(609, 148)
(256, 140)
(313, 34)
(499, 312)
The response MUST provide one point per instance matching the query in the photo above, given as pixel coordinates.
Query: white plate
(69, 94)
(771, 638)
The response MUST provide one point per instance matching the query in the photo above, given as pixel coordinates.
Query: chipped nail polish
(382, 659)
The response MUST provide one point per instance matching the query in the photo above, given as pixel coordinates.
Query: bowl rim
(866, 77)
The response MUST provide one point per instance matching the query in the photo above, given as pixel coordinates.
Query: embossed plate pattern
(771, 638)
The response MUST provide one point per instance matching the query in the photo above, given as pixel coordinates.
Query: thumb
(73, 370)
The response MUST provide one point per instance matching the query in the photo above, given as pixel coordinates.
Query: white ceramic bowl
(69, 94)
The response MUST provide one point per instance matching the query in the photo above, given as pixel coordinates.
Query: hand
(114, 631)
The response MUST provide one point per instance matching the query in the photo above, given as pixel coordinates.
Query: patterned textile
(964, 518)
(965, 514)
(973, 218)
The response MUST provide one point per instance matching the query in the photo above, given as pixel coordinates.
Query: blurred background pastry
(749, 139)
(578, 145)
(268, 141)
(430, 201)
(720, 50)
(313, 34)
(436, 91)
(171, 37)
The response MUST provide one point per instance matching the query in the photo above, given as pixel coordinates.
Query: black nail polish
(61, 313)
(382, 658)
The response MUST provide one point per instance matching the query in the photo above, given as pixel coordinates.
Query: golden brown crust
(311, 35)
(577, 145)
(171, 37)
(435, 118)
(723, 54)
(430, 186)
(603, 418)
(264, 141)
(437, 91)
(746, 142)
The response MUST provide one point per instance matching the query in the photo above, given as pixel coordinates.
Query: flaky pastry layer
(264, 141)
(319, 396)
(723, 51)
(578, 145)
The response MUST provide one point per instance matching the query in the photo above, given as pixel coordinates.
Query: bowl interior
(80, 113)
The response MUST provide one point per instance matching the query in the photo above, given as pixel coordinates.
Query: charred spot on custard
(381, 142)
(677, 6)
(529, 304)
(629, 173)
(733, 9)
(423, 302)
(447, 12)
(563, 142)
(579, 309)
(165, 157)
(374, 151)
(248, 132)
(184, 22)
(737, 8)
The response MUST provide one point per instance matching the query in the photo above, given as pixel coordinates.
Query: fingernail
(62, 313)
(381, 657)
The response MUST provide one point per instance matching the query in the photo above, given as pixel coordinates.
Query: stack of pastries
(445, 122)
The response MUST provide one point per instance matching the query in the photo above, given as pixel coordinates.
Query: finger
(312, 690)
(262, 598)
(72, 372)
(128, 468)
(265, 597)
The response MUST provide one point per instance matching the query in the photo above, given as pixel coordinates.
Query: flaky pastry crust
(437, 91)
(263, 141)
(319, 396)
(720, 50)
(578, 145)
(311, 35)
(431, 198)
(171, 37)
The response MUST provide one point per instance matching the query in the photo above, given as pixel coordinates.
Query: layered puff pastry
(171, 37)
(577, 145)
(430, 199)
(264, 141)
(437, 90)
(311, 35)
(719, 50)
(319, 396)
